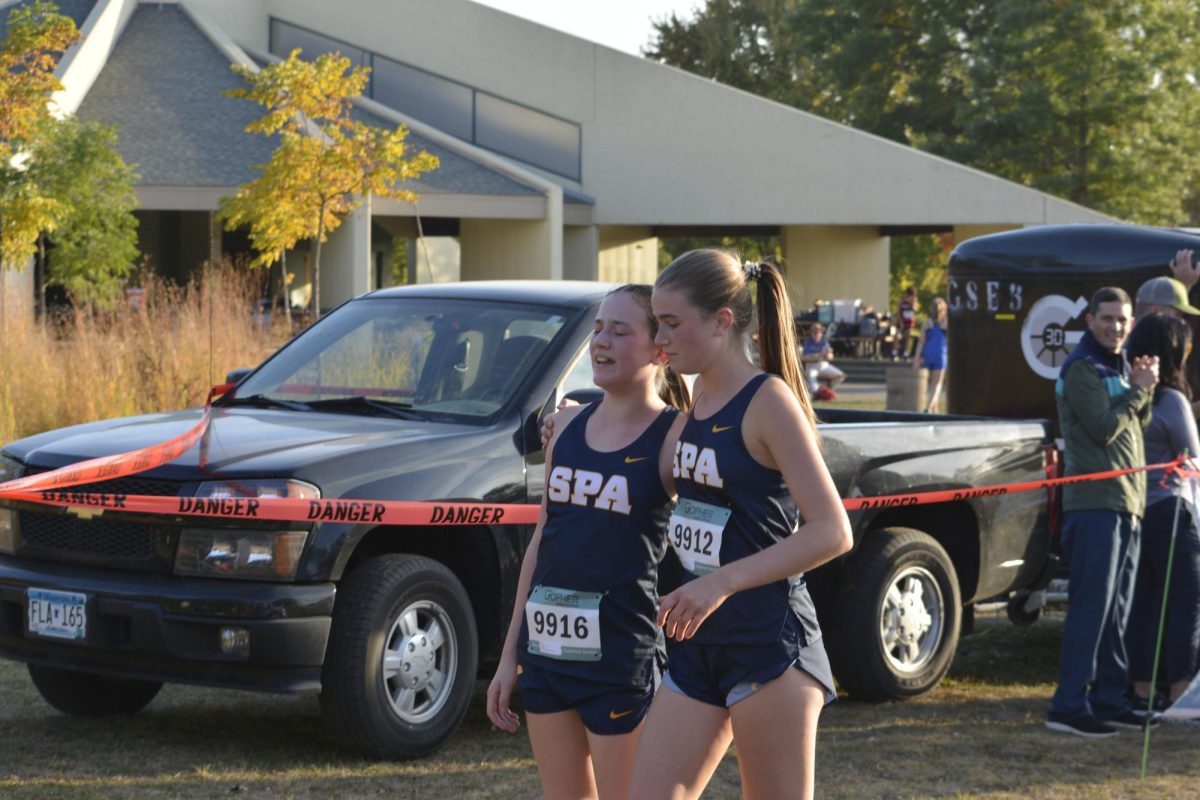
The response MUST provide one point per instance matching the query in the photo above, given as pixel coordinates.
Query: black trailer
(1018, 302)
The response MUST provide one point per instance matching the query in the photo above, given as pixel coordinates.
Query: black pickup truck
(434, 393)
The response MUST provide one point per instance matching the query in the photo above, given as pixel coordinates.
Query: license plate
(62, 615)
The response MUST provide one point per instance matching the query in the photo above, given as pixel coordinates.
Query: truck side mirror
(529, 438)
(236, 375)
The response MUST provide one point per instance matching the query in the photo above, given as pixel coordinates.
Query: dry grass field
(980, 735)
(92, 365)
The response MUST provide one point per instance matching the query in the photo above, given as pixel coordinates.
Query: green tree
(76, 165)
(325, 161)
(1092, 100)
(36, 40)
(918, 261)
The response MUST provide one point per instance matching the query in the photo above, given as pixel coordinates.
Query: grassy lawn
(980, 735)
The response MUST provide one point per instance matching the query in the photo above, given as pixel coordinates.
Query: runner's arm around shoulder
(1103, 418)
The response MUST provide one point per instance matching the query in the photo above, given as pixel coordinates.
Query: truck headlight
(8, 531)
(217, 553)
(232, 553)
(9, 470)
(258, 488)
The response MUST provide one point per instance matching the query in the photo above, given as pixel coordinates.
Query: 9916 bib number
(560, 625)
(563, 623)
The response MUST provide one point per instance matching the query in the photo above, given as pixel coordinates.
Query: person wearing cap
(1153, 296)
(1163, 294)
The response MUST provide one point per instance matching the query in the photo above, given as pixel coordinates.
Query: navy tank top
(720, 485)
(606, 518)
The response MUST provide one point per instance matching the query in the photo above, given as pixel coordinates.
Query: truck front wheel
(85, 694)
(900, 617)
(401, 659)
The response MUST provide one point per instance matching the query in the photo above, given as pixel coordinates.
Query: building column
(17, 292)
(496, 249)
(346, 258)
(829, 262)
(628, 254)
(434, 259)
(581, 252)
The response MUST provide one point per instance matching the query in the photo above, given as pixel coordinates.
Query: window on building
(444, 104)
(486, 120)
(285, 38)
(529, 135)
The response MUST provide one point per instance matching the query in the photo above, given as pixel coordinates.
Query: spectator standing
(1172, 431)
(906, 320)
(1103, 408)
(932, 351)
(816, 355)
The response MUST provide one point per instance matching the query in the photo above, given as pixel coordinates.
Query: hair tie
(753, 270)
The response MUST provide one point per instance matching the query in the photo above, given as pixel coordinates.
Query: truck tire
(402, 656)
(900, 617)
(86, 694)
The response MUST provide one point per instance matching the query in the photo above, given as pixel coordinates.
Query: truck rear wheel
(86, 694)
(402, 657)
(900, 617)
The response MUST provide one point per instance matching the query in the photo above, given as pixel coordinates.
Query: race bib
(695, 534)
(563, 623)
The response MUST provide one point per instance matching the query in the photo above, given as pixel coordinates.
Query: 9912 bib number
(695, 534)
(698, 541)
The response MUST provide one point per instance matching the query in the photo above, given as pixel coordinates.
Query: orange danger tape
(290, 509)
(951, 495)
(49, 489)
(107, 468)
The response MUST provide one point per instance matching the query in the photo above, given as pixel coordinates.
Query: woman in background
(1172, 431)
(932, 352)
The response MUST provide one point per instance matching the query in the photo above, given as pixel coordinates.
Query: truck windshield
(436, 359)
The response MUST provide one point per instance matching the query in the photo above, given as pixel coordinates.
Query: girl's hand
(498, 694)
(683, 611)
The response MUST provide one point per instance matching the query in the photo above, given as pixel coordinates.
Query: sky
(620, 24)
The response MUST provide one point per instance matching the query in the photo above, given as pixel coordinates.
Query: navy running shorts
(606, 710)
(721, 675)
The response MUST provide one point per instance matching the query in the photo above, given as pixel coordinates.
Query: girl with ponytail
(756, 509)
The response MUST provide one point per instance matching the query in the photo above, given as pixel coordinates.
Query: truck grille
(67, 539)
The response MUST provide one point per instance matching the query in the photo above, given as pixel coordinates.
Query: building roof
(162, 88)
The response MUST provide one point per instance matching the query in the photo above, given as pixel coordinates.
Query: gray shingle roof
(162, 88)
(77, 10)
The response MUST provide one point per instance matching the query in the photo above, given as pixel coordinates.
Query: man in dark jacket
(1103, 406)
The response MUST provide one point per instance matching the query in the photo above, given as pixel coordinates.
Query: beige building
(561, 158)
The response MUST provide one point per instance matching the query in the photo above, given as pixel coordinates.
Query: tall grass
(88, 365)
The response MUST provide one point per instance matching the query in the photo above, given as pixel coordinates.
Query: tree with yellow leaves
(325, 163)
(29, 55)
